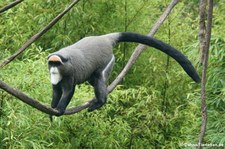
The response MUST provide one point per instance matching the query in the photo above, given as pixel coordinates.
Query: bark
(9, 6)
(202, 14)
(205, 53)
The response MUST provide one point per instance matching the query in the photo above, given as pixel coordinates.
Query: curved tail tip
(197, 79)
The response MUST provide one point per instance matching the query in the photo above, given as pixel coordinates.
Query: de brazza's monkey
(91, 59)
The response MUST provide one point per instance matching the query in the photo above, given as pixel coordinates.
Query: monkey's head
(56, 67)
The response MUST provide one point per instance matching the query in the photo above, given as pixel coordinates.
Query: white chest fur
(55, 76)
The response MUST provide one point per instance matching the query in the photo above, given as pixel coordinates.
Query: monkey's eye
(51, 63)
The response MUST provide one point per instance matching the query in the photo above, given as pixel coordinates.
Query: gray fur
(88, 55)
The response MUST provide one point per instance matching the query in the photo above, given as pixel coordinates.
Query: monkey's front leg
(98, 81)
(56, 95)
(65, 99)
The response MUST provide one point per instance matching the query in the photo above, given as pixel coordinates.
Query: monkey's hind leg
(100, 94)
(98, 81)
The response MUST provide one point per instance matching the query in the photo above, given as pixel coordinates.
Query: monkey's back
(87, 56)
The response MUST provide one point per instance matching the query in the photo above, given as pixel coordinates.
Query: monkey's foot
(94, 106)
(61, 112)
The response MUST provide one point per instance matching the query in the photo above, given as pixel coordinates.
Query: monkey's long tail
(177, 55)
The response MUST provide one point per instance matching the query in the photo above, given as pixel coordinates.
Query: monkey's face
(55, 64)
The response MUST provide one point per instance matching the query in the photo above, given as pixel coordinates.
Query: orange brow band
(54, 58)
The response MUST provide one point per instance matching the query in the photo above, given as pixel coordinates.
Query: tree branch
(34, 103)
(202, 14)
(10, 5)
(38, 35)
(205, 53)
(139, 49)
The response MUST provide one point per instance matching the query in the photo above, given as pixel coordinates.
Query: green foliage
(216, 92)
(156, 106)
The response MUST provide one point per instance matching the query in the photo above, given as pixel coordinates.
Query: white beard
(55, 76)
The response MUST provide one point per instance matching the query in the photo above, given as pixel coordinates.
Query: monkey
(91, 60)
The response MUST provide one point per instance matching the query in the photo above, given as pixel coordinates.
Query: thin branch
(34, 103)
(135, 15)
(38, 35)
(202, 14)
(10, 5)
(204, 72)
(139, 49)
